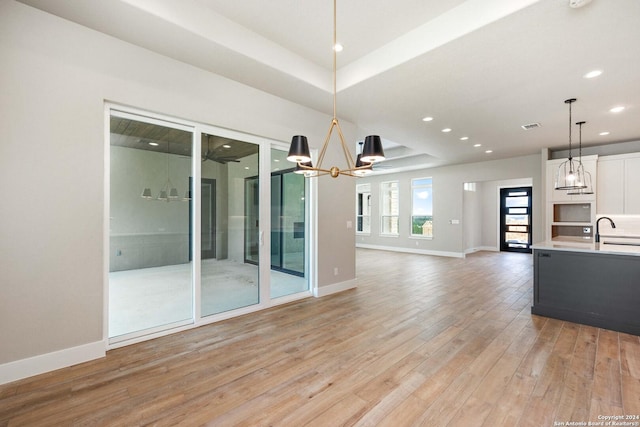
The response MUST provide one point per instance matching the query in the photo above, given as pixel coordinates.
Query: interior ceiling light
(464, 138)
(427, 119)
(489, 151)
(445, 130)
(477, 145)
(604, 133)
(299, 149)
(570, 175)
(588, 189)
(617, 109)
(592, 74)
(168, 192)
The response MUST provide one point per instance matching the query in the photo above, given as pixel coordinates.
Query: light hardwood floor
(422, 341)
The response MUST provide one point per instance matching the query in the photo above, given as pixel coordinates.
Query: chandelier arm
(325, 145)
(347, 154)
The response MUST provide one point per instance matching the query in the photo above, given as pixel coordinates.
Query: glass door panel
(288, 229)
(229, 225)
(150, 274)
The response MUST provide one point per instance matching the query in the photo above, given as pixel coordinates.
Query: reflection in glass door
(287, 222)
(150, 279)
(288, 229)
(515, 219)
(229, 273)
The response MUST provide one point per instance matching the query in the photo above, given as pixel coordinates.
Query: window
(422, 207)
(363, 208)
(389, 209)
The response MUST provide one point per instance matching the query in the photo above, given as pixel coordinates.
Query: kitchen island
(596, 284)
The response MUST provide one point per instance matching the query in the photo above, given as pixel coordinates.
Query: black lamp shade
(301, 170)
(299, 150)
(362, 168)
(372, 150)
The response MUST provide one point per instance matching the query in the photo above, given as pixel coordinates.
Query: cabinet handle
(544, 255)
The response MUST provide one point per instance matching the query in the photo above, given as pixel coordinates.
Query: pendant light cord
(570, 102)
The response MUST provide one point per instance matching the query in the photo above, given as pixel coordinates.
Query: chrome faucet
(613, 225)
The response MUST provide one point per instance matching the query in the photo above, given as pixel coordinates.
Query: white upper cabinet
(619, 185)
(632, 186)
(610, 198)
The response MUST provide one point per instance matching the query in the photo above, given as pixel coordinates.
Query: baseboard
(481, 248)
(31, 366)
(412, 251)
(334, 288)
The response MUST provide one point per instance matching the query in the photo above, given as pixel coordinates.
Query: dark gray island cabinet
(592, 284)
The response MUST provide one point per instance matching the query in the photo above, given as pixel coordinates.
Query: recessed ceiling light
(489, 151)
(427, 119)
(226, 146)
(155, 144)
(617, 109)
(246, 167)
(604, 133)
(276, 160)
(477, 145)
(338, 47)
(592, 74)
(445, 130)
(464, 138)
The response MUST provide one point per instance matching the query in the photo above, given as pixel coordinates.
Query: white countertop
(587, 246)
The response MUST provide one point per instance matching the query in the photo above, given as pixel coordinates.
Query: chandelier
(299, 150)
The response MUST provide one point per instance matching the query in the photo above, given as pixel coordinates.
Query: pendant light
(588, 189)
(299, 149)
(569, 175)
(168, 192)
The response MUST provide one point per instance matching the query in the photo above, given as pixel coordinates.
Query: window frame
(417, 187)
(385, 187)
(363, 213)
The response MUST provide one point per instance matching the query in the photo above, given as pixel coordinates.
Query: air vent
(578, 3)
(530, 126)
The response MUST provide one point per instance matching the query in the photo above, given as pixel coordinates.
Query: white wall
(55, 78)
(448, 204)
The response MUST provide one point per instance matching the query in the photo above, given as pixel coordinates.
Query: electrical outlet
(335, 271)
(586, 230)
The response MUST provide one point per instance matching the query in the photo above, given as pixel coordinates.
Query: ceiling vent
(530, 126)
(578, 3)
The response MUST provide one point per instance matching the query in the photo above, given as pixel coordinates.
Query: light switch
(349, 224)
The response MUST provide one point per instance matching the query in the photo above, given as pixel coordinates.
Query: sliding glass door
(150, 279)
(230, 279)
(187, 231)
(288, 229)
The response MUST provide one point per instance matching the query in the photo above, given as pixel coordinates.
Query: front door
(515, 219)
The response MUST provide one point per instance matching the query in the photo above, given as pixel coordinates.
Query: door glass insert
(229, 225)
(150, 274)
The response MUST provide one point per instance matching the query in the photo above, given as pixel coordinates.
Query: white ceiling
(483, 68)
